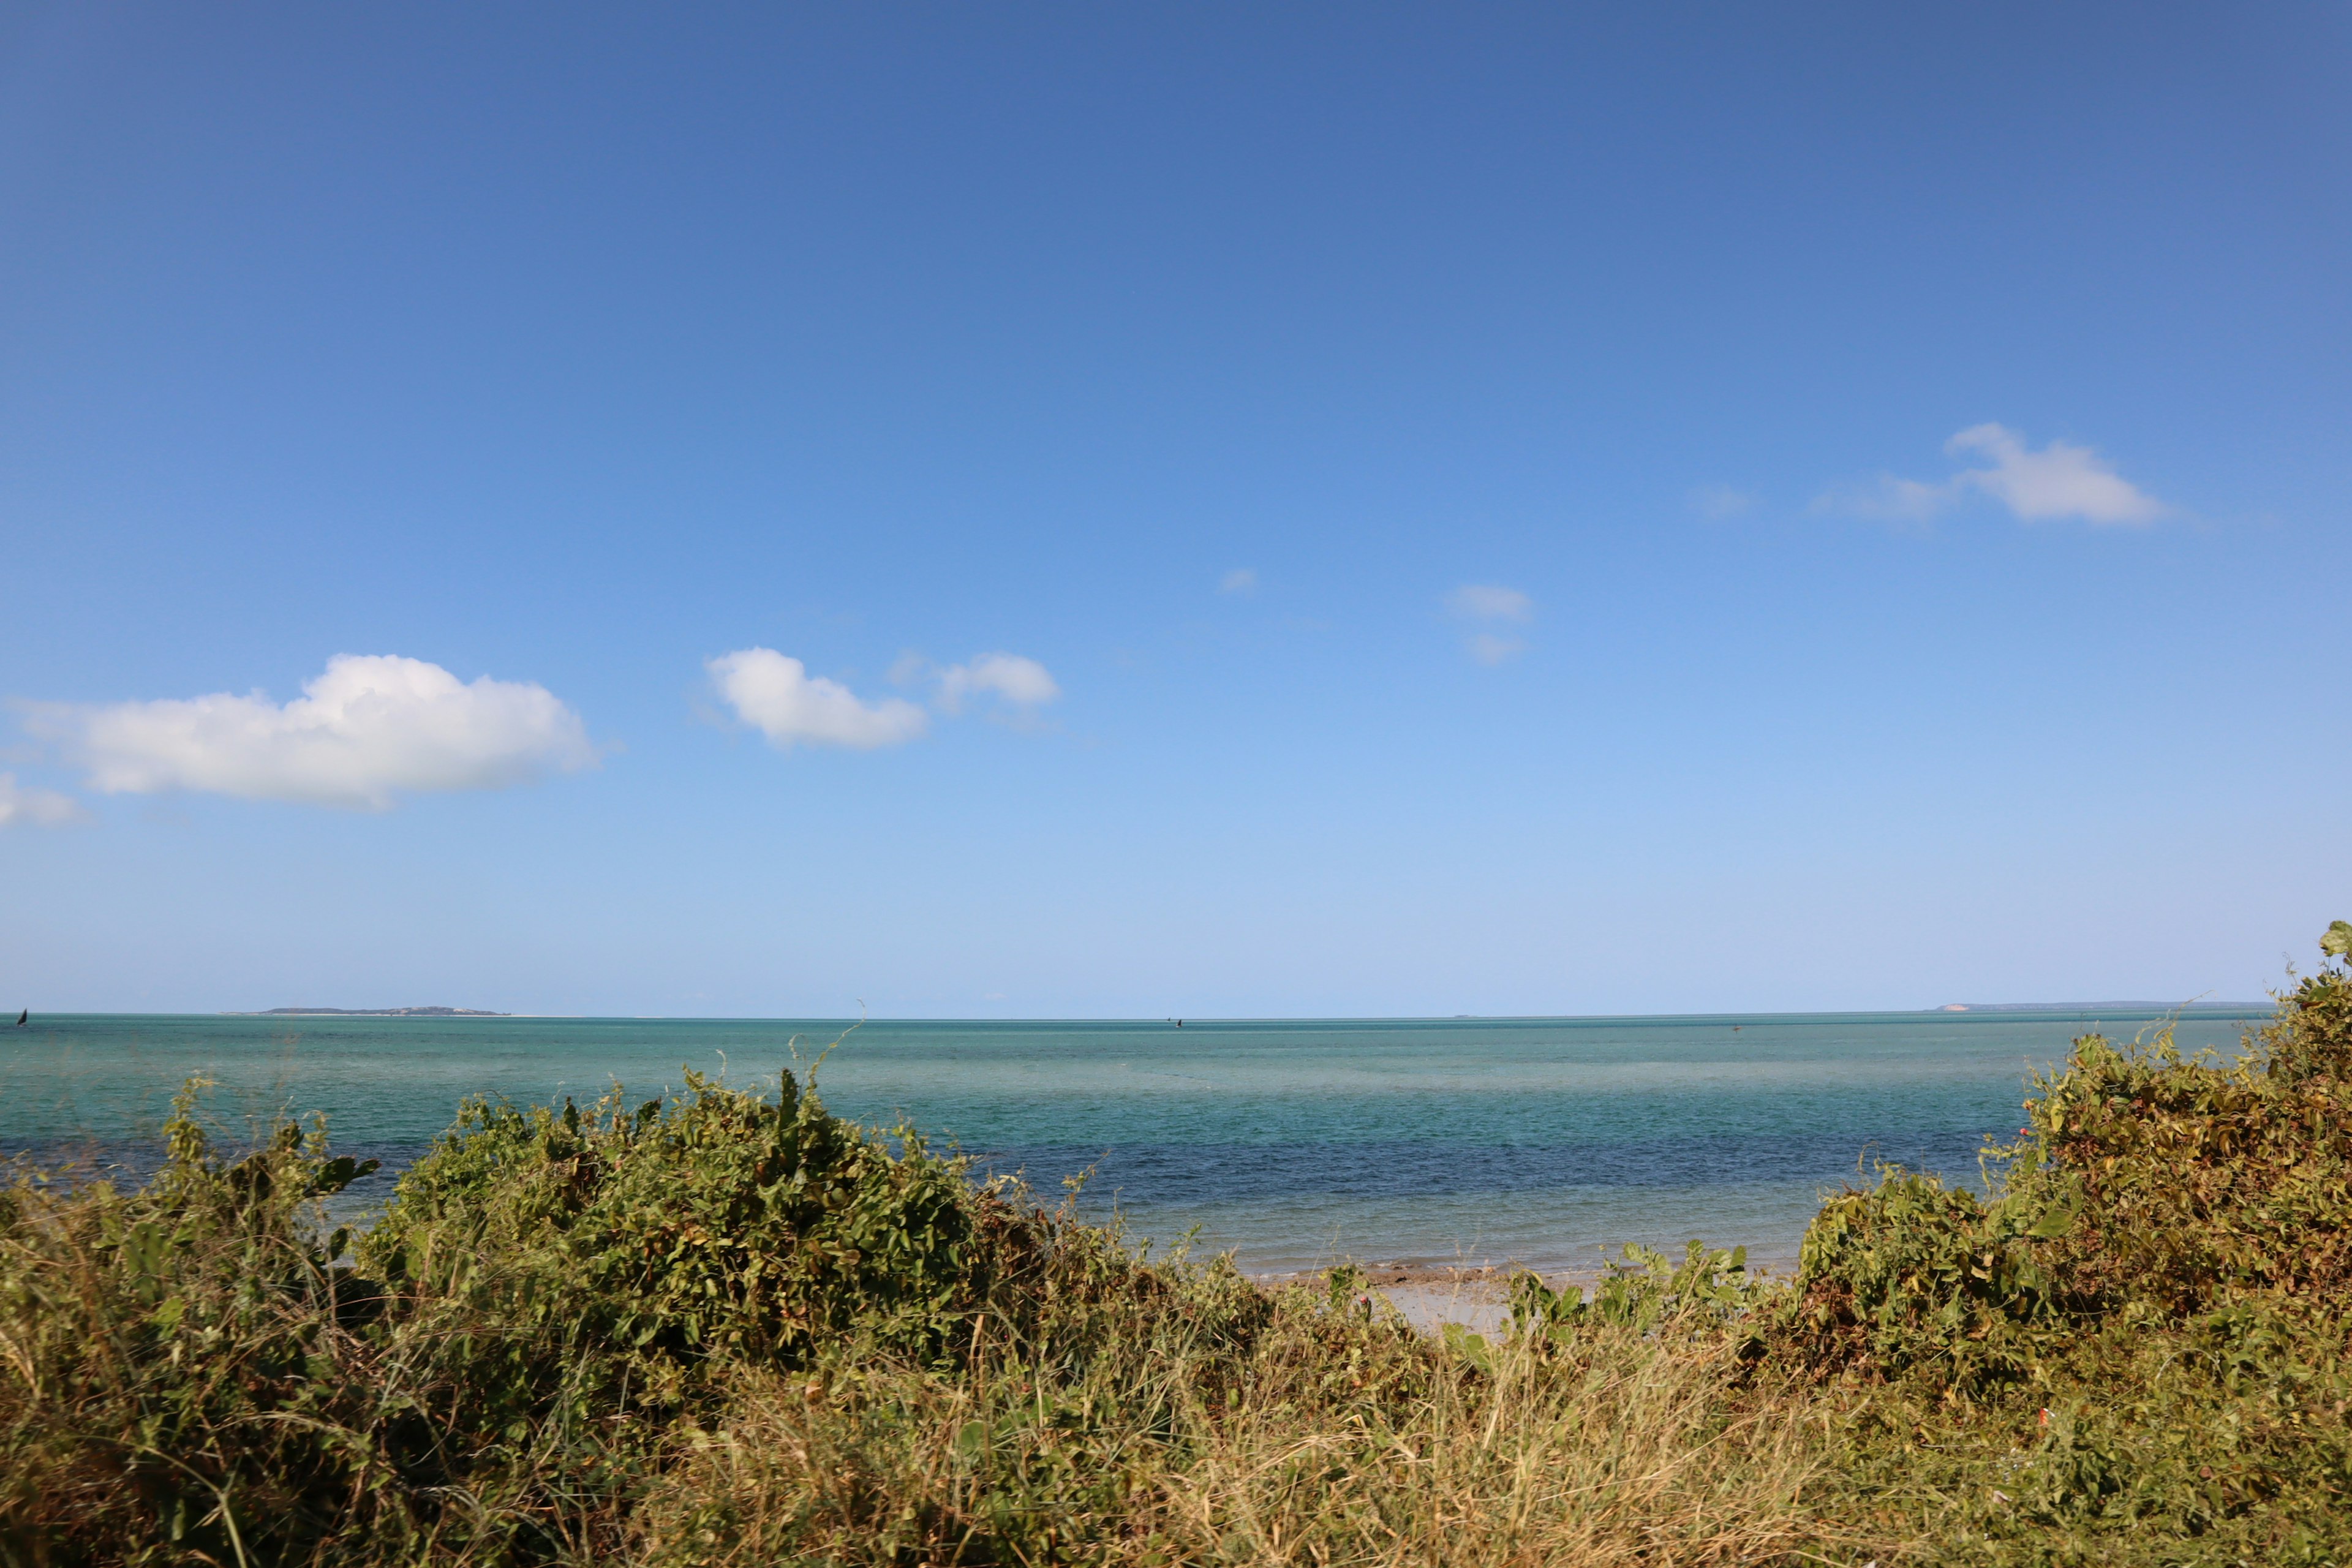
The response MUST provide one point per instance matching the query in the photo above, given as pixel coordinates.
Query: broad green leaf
(2337, 942)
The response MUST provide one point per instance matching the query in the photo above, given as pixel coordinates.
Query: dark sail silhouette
(22, 1016)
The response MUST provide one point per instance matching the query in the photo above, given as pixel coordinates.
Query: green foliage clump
(1914, 1275)
(2141, 1338)
(197, 1370)
(2141, 1179)
(1642, 1290)
(179, 1356)
(720, 1224)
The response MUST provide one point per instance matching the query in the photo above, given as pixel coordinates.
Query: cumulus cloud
(1488, 602)
(1240, 580)
(1490, 649)
(776, 695)
(22, 807)
(1889, 499)
(369, 727)
(1718, 503)
(1489, 605)
(1024, 682)
(2059, 481)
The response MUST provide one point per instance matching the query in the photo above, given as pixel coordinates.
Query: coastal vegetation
(731, 1328)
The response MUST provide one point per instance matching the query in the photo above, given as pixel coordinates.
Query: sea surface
(1294, 1143)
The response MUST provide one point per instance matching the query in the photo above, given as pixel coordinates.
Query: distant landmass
(2103, 1006)
(371, 1013)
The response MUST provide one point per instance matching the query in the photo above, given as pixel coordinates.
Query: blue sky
(1898, 460)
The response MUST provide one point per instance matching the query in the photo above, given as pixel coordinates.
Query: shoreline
(1475, 1297)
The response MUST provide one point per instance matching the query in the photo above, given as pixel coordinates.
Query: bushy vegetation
(731, 1328)
(2137, 1351)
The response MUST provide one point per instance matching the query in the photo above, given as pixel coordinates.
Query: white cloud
(36, 807)
(1889, 498)
(370, 727)
(1718, 503)
(1488, 648)
(1493, 605)
(1487, 602)
(2059, 481)
(1022, 682)
(776, 695)
(1240, 580)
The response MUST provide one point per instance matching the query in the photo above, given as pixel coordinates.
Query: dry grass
(1622, 1449)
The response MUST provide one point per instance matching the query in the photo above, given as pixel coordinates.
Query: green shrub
(2141, 1178)
(719, 1224)
(2136, 1351)
(184, 1358)
(1642, 1290)
(193, 1368)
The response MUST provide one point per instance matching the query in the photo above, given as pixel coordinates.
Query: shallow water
(1538, 1140)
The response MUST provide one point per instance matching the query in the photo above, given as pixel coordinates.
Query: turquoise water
(1538, 1140)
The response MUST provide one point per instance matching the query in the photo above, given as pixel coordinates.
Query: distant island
(2105, 1006)
(371, 1013)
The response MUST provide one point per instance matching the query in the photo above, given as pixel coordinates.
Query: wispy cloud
(1720, 503)
(2059, 482)
(23, 807)
(775, 694)
(369, 728)
(1490, 605)
(1489, 602)
(1240, 580)
(1889, 498)
(1488, 648)
(1022, 682)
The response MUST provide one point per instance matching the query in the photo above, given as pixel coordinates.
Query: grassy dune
(729, 1329)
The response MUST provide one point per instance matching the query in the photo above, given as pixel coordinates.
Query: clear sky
(1146, 510)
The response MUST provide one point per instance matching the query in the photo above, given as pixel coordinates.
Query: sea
(1293, 1144)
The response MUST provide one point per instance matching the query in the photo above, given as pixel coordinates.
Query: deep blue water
(1538, 1140)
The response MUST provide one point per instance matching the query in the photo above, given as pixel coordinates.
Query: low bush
(2137, 1348)
(2142, 1180)
(198, 1370)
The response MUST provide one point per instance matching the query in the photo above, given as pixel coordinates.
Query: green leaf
(1470, 1347)
(339, 1173)
(2337, 942)
(2057, 1219)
